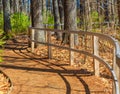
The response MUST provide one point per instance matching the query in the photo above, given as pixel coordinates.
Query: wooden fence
(95, 44)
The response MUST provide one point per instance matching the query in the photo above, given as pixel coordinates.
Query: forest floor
(32, 74)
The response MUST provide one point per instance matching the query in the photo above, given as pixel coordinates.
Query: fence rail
(97, 38)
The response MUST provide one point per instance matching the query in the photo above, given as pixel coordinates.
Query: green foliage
(95, 19)
(1, 20)
(95, 16)
(19, 22)
(1, 44)
(49, 20)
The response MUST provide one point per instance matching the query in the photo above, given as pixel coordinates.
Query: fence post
(71, 57)
(49, 47)
(116, 69)
(29, 33)
(96, 52)
(33, 38)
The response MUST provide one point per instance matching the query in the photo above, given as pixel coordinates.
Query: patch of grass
(1, 45)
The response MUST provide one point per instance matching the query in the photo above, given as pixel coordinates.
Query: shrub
(49, 20)
(1, 44)
(95, 16)
(1, 20)
(19, 22)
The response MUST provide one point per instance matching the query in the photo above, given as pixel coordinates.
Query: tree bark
(44, 9)
(69, 18)
(36, 12)
(25, 6)
(20, 6)
(118, 2)
(82, 11)
(15, 6)
(106, 12)
(56, 19)
(1, 6)
(61, 12)
(6, 15)
(11, 7)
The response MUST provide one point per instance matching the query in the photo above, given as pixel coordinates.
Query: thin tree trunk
(118, 2)
(20, 6)
(1, 6)
(15, 6)
(44, 9)
(25, 6)
(56, 19)
(61, 12)
(106, 12)
(11, 7)
(82, 12)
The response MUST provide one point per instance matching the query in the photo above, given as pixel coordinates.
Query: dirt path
(31, 74)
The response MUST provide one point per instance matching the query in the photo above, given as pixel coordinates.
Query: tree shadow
(59, 72)
(18, 48)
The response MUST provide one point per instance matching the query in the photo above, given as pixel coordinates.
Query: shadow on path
(20, 47)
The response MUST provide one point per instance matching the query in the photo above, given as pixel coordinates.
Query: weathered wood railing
(96, 42)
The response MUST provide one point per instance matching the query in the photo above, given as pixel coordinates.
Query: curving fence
(98, 48)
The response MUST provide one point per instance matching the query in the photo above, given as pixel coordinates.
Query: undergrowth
(1, 45)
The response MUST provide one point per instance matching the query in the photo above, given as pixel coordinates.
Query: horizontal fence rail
(97, 38)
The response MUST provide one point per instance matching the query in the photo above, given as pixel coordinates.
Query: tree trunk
(56, 19)
(61, 12)
(82, 12)
(118, 2)
(20, 6)
(15, 6)
(11, 7)
(1, 6)
(36, 12)
(25, 6)
(70, 18)
(49, 5)
(6, 14)
(106, 12)
(44, 9)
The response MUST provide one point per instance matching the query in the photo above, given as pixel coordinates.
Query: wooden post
(117, 73)
(96, 52)
(71, 57)
(49, 47)
(46, 33)
(116, 70)
(118, 76)
(29, 34)
(33, 38)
